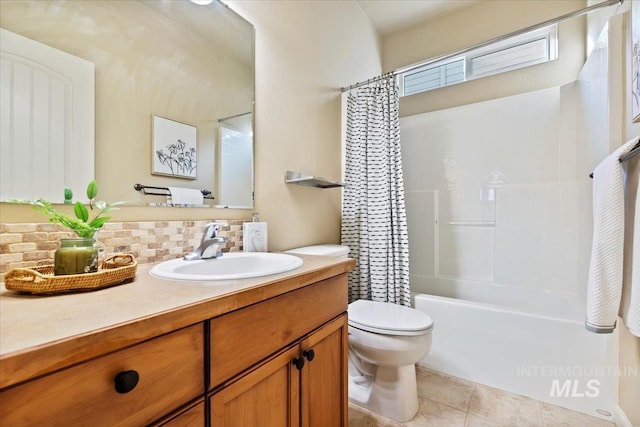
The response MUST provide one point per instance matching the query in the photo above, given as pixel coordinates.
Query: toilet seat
(389, 319)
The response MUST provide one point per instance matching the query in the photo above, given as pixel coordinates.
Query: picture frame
(174, 148)
(635, 62)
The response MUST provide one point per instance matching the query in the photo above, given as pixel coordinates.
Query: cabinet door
(192, 417)
(324, 376)
(267, 396)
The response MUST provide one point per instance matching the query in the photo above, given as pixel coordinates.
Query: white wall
(305, 51)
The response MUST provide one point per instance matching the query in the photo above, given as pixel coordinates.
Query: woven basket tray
(115, 270)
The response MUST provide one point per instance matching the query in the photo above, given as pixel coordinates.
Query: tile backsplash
(33, 244)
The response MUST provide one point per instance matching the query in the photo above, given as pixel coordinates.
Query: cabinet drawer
(241, 338)
(170, 370)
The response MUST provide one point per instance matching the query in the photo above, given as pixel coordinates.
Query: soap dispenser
(254, 235)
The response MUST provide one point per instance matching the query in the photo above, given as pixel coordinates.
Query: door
(267, 396)
(324, 376)
(47, 120)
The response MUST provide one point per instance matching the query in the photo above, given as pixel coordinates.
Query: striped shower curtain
(374, 220)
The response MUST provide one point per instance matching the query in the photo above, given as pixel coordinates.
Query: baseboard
(620, 418)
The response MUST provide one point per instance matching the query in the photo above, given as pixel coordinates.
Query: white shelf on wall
(310, 180)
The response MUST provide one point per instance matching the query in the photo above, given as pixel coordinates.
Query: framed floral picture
(174, 149)
(635, 61)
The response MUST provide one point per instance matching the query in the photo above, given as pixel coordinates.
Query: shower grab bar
(139, 187)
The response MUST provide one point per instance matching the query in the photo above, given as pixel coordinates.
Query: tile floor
(447, 401)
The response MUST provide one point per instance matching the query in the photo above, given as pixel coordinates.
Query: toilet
(385, 342)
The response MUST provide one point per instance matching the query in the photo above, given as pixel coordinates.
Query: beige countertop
(39, 334)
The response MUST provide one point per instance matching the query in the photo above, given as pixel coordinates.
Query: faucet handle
(211, 230)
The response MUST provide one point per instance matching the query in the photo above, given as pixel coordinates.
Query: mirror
(190, 64)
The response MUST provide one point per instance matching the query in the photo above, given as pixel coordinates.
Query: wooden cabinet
(169, 371)
(244, 337)
(277, 361)
(304, 385)
(266, 396)
(324, 377)
(193, 416)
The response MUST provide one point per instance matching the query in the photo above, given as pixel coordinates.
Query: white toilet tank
(324, 250)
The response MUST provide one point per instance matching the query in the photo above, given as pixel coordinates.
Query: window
(532, 48)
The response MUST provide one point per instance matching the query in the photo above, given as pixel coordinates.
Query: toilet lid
(387, 318)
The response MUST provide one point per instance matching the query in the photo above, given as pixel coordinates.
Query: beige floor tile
(434, 414)
(451, 391)
(555, 416)
(361, 417)
(478, 421)
(504, 408)
(447, 401)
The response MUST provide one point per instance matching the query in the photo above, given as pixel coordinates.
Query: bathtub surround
(32, 244)
(374, 222)
(610, 231)
(499, 210)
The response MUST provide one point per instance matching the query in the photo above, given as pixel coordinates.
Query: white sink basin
(234, 265)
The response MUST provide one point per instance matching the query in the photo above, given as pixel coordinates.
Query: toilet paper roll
(254, 237)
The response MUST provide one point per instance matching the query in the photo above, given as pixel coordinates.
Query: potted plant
(80, 255)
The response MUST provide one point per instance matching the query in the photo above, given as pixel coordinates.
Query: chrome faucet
(209, 245)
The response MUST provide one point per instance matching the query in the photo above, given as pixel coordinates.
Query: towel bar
(144, 188)
(631, 154)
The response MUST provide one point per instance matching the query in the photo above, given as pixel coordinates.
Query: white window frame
(548, 34)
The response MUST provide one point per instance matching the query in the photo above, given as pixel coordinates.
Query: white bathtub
(524, 341)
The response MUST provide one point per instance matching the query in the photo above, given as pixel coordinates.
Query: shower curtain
(374, 220)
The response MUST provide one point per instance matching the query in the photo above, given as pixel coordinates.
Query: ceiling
(392, 15)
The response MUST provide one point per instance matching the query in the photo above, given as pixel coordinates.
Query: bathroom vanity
(267, 351)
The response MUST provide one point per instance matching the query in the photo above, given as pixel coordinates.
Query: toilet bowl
(385, 342)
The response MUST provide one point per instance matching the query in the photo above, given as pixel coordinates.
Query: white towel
(606, 269)
(630, 305)
(186, 196)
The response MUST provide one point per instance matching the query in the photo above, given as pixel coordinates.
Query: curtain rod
(233, 117)
(488, 42)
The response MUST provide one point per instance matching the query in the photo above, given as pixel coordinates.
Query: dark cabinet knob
(309, 354)
(298, 362)
(126, 381)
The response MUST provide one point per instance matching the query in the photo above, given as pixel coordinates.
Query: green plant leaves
(81, 211)
(80, 224)
(99, 222)
(92, 190)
